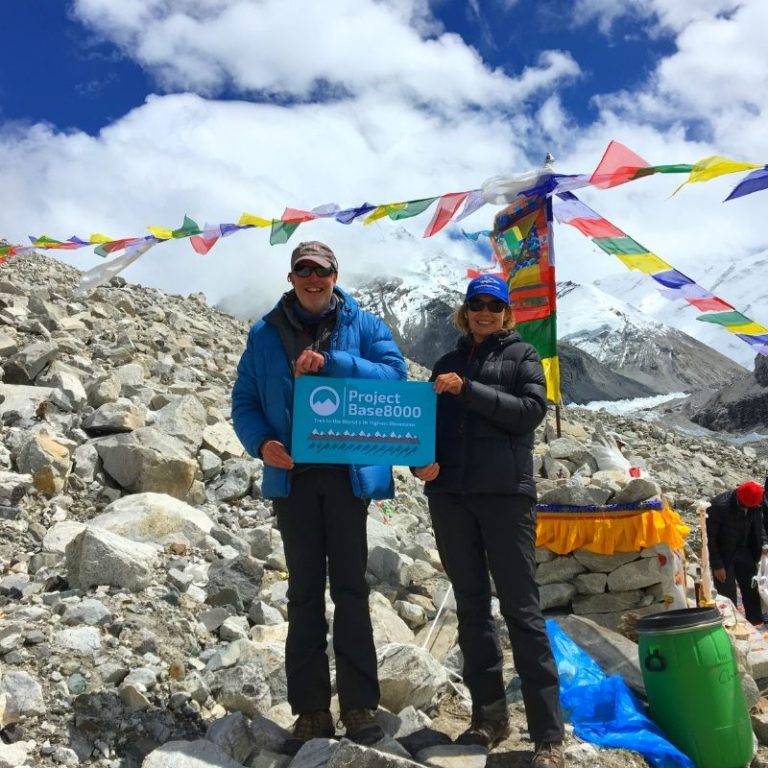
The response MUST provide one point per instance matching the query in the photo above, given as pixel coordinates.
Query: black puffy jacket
(729, 530)
(484, 437)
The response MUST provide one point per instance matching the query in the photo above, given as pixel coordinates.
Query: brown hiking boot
(484, 733)
(361, 726)
(489, 727)
(308, 726)
(548, 754)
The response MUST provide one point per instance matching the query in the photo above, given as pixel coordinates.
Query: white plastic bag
(760, 580)
(606, 451)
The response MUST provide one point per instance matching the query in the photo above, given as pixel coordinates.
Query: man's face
(313, 291)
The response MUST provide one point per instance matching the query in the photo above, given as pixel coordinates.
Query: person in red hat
(736, 537)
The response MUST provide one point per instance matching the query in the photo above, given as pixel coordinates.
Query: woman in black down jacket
(491, 396)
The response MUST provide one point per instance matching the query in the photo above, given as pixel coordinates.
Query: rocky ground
(143, 584)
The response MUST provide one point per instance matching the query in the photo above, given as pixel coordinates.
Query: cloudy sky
(118, 115)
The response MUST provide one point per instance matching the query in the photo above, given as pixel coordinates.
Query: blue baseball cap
(491, 285)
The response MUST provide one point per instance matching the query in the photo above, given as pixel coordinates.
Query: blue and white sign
(363, 421)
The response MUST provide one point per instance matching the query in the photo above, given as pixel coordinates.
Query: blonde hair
(461, 323)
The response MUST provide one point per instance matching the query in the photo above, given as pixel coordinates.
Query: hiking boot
(489, 726)
(309, 725)
(361, 726)
(484, 733)
(548, 754)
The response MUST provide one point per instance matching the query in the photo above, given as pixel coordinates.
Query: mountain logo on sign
(324, 401)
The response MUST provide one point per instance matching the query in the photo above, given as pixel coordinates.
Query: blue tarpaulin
(602, 708)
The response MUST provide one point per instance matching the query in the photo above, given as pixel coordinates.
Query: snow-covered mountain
(616, 350)
(634, 344)
(742, 283)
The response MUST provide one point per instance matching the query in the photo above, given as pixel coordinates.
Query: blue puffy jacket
(361, 347)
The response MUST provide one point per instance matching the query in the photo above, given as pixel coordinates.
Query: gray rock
(185, 420)
(608, 602)
(221, 440)
(349, 755)
(189, 754)
(82, 640)
(155, 517)
(637, 489)
(242, 688)
(603, 563)
(232, 735)
(148, 460)
(408, 675)
(635, 575)
(24, 695)
(560, 569)
(453, 756)
(96, 557)
(555, 595)
(315, 753)
(88, 611)
(114, 417)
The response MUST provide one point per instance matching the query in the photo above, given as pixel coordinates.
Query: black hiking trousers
(741, 571)
(323, 526)
(475, 532)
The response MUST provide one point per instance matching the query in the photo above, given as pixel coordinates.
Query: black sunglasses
(307, 271)
(494, 305)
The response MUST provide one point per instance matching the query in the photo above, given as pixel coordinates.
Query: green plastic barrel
(693, 686)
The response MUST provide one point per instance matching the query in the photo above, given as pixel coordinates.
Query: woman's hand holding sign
(449, 382)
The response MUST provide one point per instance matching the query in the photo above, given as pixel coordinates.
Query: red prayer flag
(446, 208)
(596, 228)
(203, 245)
(711, 304)
(296, 216)
(618, 165)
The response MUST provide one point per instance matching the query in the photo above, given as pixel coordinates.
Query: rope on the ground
(437, 615)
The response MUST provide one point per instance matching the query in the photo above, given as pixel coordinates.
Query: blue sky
(75, 77)
(119, 115)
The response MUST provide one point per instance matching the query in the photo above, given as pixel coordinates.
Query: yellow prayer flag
(97, 237)
(161, 233)
(551, 367)
(750, 329)
(248, 219)
(649, 263)
(382, 211)
(530, 275)
(714, 166)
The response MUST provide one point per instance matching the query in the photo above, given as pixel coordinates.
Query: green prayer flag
(541, 334)
(281, 231)
(412, 208)
(619, 245)
(724, 318)
(189, 227)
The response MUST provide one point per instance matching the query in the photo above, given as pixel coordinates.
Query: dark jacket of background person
(484, 437)
(730, 530)
(360, 346)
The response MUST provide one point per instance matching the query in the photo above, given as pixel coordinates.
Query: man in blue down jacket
(318, 329)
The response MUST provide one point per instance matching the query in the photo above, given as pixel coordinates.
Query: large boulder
(156, 518)
(408, 675)
(97, 557)
(148, 460)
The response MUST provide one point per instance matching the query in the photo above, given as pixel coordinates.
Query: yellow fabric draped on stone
(606, 532)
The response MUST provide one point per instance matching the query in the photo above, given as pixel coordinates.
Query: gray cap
(314, 250)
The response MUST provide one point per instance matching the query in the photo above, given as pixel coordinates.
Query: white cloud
(422, 115)
(273, 46)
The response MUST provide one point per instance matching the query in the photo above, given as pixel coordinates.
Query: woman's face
(481, 319)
